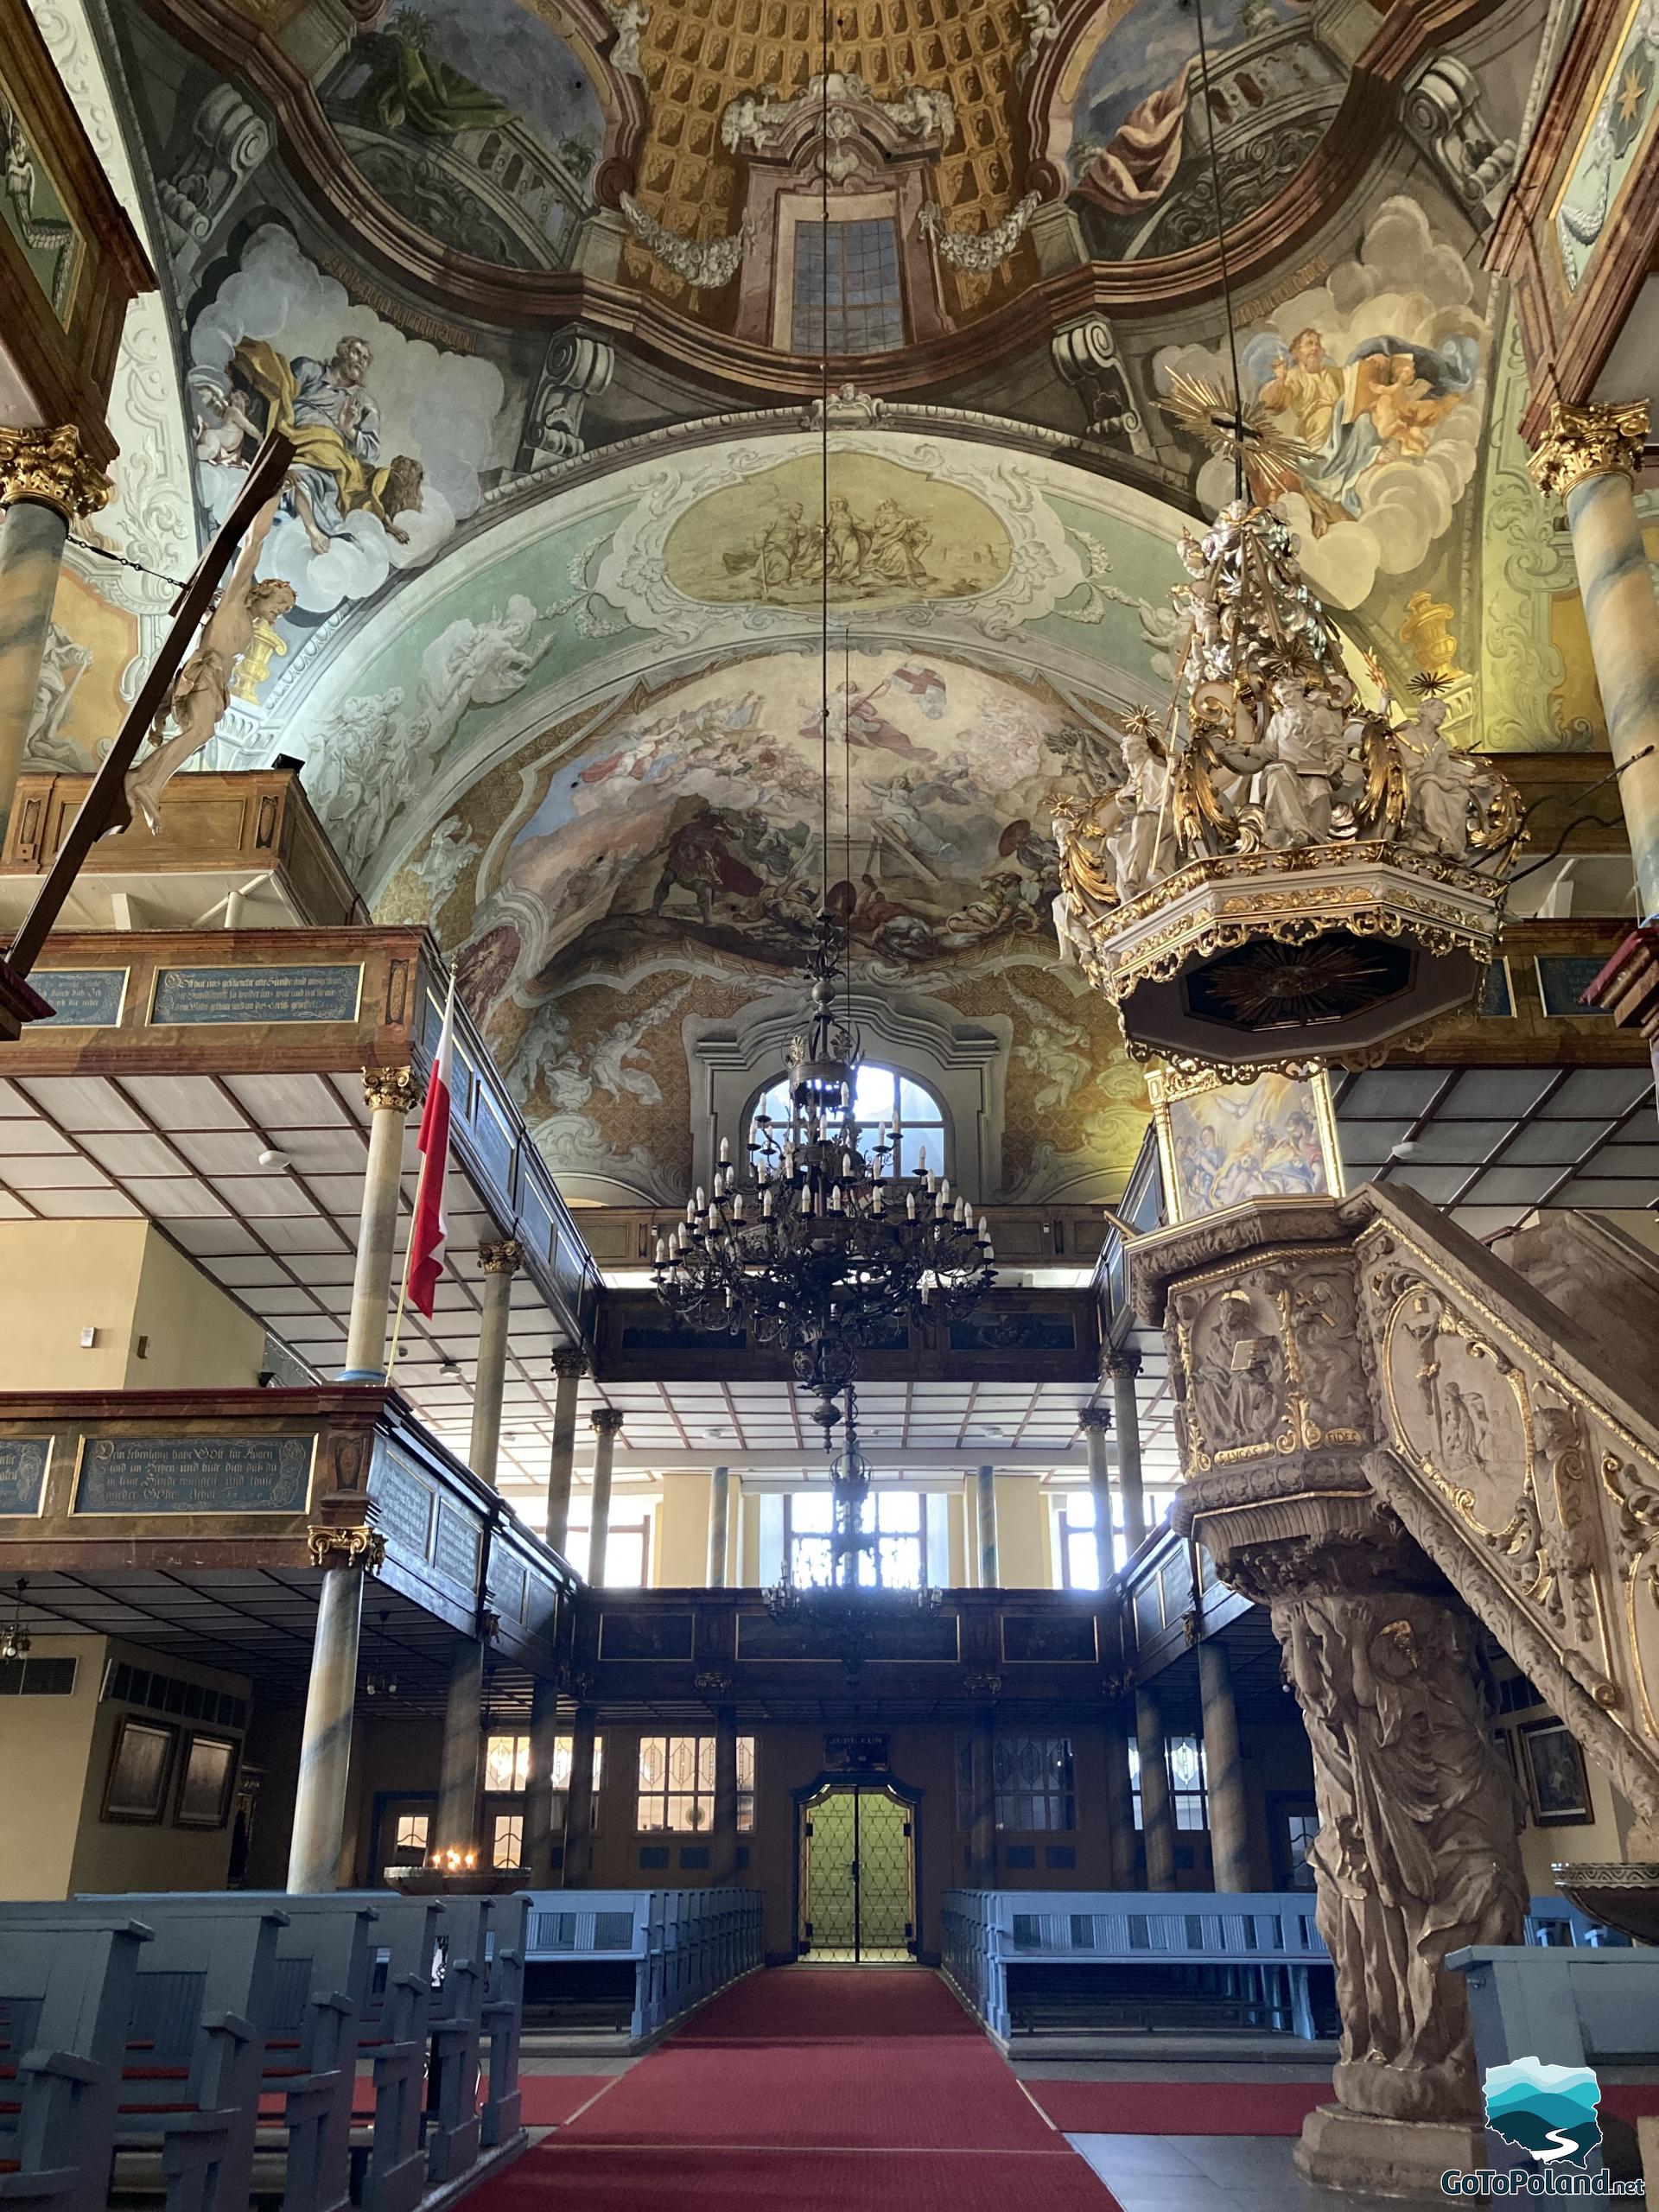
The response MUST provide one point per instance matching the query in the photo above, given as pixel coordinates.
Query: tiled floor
(1215, 2173)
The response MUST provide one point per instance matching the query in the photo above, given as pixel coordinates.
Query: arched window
(913, 1116)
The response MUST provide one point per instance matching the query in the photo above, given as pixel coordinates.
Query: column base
(1359, 2151)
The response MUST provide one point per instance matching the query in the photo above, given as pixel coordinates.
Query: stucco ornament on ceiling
(1021, 561)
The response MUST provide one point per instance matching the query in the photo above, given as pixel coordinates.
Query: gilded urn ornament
(1280, 873)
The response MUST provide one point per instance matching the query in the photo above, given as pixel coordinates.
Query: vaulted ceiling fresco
(546, 292)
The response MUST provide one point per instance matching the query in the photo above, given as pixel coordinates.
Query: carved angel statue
(201, 691)
(1083, 831)
(1142, 846)
(1442, 814)
(630, 18)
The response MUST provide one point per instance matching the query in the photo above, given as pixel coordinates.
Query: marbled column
(326, 1741)
(579, 1800)
(1157, 1811)
(391, 1093)
(606, 1420)
(539, 1837)
(985, 1494)
(722, 1853)
(719, 1498)
(462, 1773)
(569, 1365)
(1224, 1770)
(1120, 1808)
(1096, 1421)
(500, 1263)
(1589, 457)
(45, 484)
(1122, 1370)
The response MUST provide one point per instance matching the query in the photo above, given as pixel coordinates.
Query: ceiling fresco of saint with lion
(600, 429)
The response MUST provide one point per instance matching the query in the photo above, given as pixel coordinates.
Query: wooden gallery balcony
(934, 1655)
(181, 1520)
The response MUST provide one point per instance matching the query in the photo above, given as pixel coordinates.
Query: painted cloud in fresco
(1381, 372)
(393, 434)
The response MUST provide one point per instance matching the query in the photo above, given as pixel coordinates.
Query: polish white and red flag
(428, 1235)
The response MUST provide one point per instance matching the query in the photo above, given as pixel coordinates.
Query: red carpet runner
(823, 2090)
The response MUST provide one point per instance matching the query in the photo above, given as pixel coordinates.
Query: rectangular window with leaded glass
(676, 1784)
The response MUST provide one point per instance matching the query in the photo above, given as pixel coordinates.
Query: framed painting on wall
(141, 1766)
(1221, 1143)
(1556, 1780)
(209, 1783)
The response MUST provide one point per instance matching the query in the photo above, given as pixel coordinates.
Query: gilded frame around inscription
(244, 1021)
(50, 1443)
(42, 979)
(199, 1512)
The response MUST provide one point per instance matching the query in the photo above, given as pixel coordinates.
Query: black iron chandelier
(821, 1248)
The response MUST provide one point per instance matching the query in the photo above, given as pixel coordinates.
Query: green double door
(857, 1878)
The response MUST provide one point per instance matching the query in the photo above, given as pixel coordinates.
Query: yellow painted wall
(1021, 1537)
(124, 1279)
(680, 1545)
(197, 1337)
(45, 1744)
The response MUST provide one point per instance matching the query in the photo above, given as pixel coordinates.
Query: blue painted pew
(394, 2041)
(67, 1994)
(1253, 1950)
(684, 1945)
(1566, 2008)
(454, 2129)
(309, 2030)
(504, 2020)
(195, 2040)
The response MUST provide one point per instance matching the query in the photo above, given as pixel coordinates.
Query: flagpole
(397, 1321)
(437, 1075)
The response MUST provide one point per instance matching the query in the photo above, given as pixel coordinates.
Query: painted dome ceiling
(540, 157)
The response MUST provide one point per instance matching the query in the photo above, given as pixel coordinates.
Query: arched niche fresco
(485, 125)
(1125, 125)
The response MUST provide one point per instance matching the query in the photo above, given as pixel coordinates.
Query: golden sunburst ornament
(1272, 459)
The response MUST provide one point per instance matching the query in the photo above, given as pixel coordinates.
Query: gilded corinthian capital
(391, 1089)
(1605, 439)
(49, 467)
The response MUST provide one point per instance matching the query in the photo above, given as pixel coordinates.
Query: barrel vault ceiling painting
(532, 286)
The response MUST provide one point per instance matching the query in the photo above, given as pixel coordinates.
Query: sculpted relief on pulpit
(1460, 1407)
(1272, 1362)
(1537, 1494)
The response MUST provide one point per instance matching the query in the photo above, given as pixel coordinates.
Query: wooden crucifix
(107, 807)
